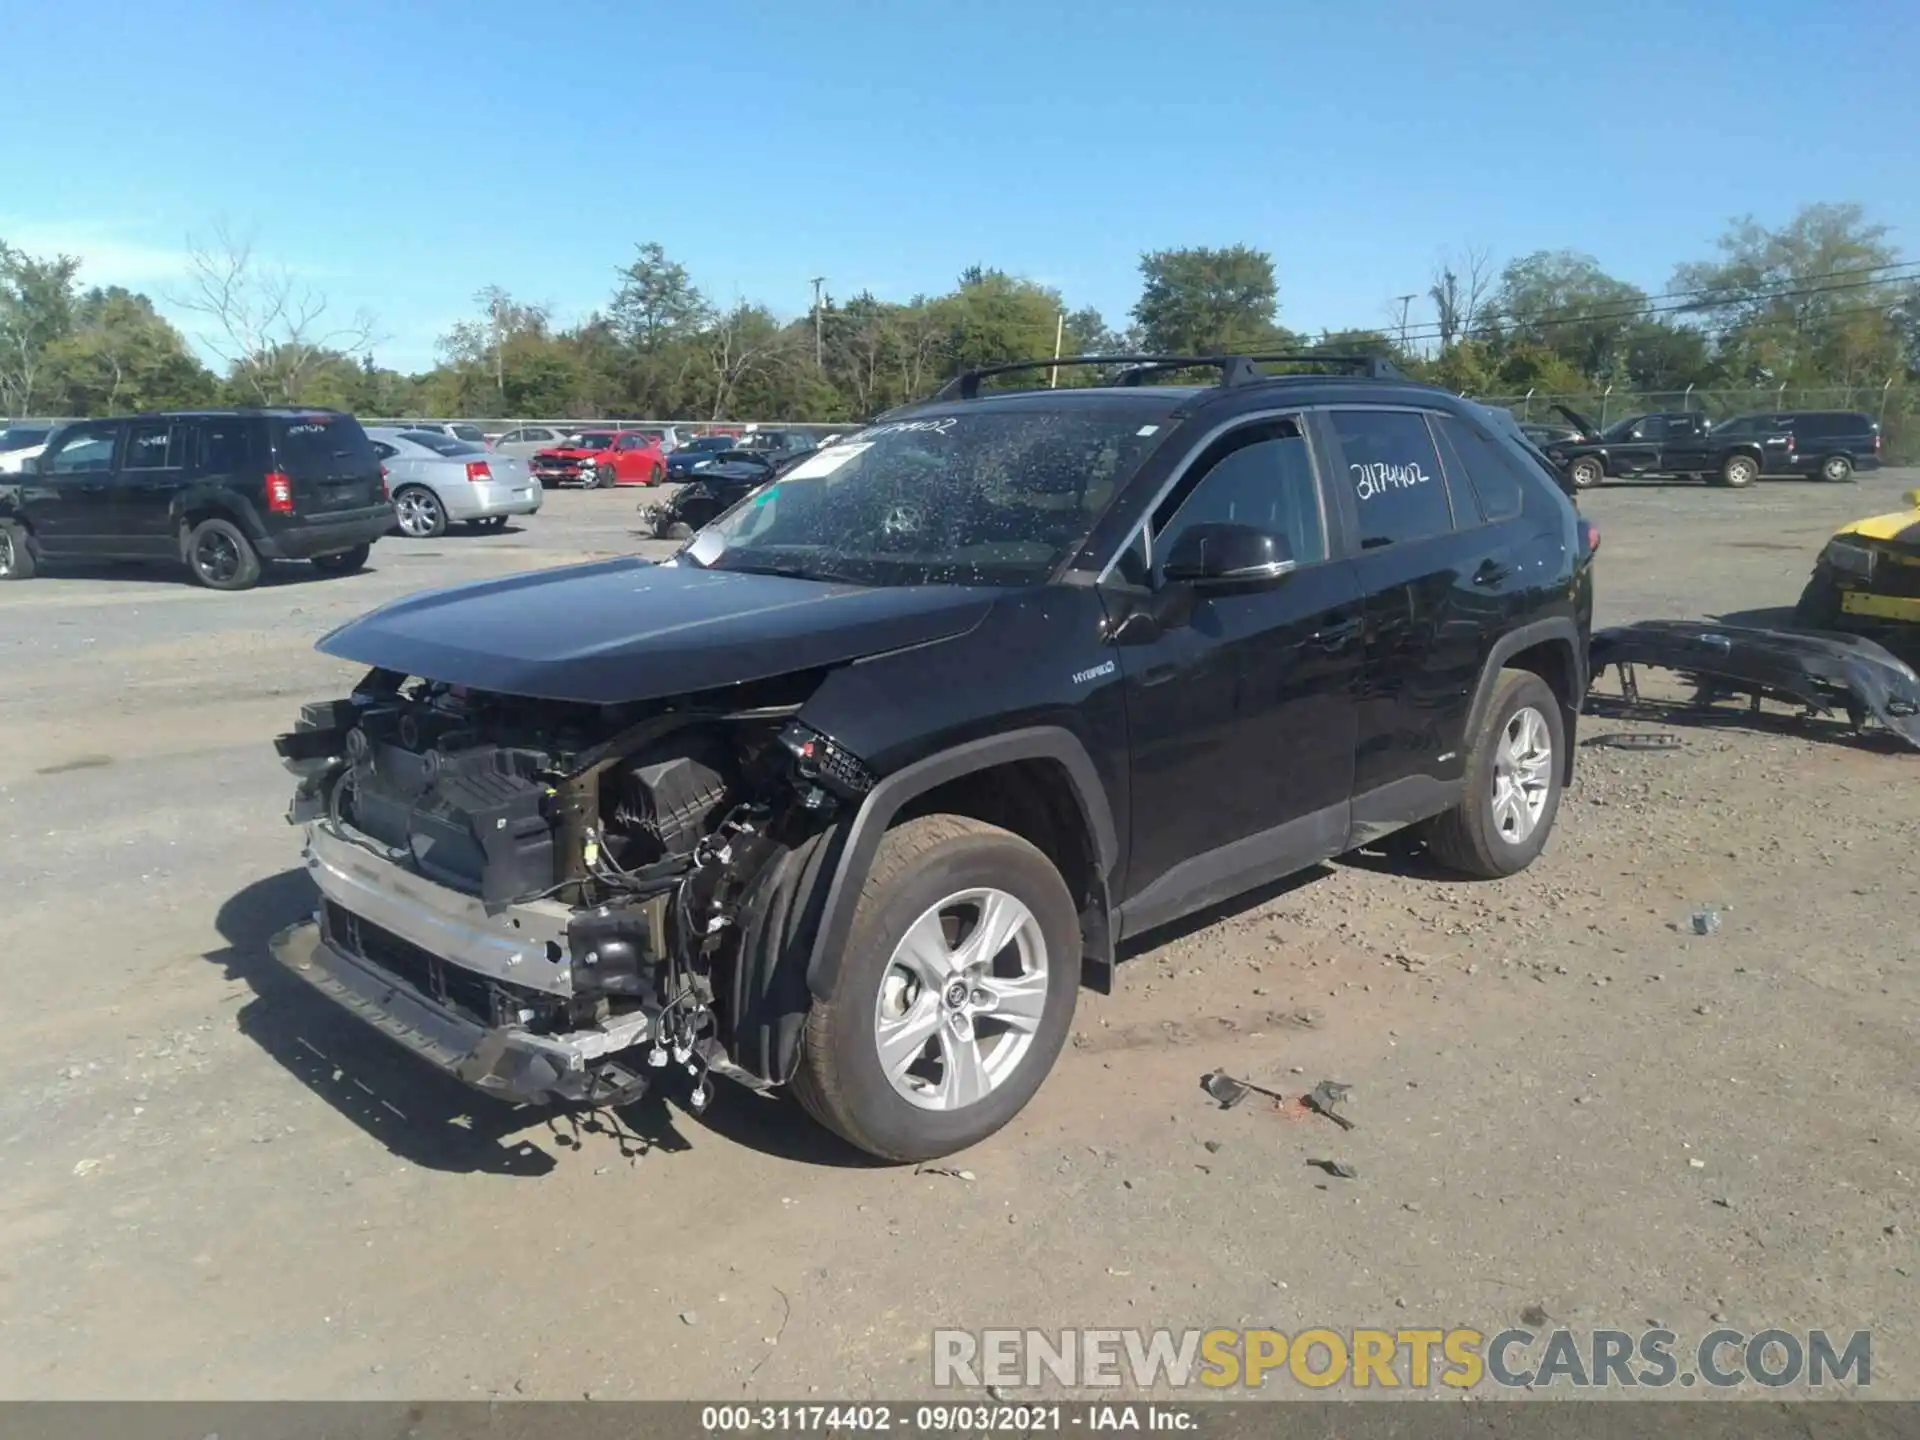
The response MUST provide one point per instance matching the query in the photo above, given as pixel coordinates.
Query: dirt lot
(213, 1186)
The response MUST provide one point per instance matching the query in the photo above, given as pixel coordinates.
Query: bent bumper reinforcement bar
(509, 1063)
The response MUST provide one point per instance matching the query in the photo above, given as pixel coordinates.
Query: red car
(603, 458)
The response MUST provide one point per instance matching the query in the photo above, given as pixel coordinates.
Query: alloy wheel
(7, 561)
(418, 514)
(216, 557)
(1522, 775)
(961, 999)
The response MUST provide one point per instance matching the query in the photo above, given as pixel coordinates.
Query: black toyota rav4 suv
(855, 790)
(222, 491)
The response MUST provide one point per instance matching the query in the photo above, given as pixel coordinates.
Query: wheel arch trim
(860, 842)
(1553, 629)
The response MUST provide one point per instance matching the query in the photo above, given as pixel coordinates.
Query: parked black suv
(221, 490)
(1830, 444)
(856, 788)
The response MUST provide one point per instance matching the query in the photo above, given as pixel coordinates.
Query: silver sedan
(437, 480)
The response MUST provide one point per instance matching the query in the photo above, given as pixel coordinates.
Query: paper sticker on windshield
(826, 462)
(1146, 429)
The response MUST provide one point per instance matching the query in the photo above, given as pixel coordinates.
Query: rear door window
(323, 447)
(155, 445)
(1483, 467)
(469, 432)
(225, 447)
(1399, 487)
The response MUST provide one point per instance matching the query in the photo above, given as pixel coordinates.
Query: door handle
(1490, 573)
(1332, 637)
(1158, 674)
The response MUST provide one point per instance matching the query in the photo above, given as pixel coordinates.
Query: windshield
(986, 498)
(711, 442)
(592, 440)
(1620, 429)
(19, 437)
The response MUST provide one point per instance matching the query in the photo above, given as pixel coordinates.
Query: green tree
(1204, 301)
(657, 300)
(1562, 302)
(121, 354)
(1810, 301)
(36, 311)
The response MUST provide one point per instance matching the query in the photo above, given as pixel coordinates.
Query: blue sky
(403, 155)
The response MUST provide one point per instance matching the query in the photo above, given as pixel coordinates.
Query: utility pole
(1405, 300)
(819, 345)
(1059, 334)
(499, 353)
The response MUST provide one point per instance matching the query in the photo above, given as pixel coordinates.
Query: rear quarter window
(1483, 467)
(323, 447)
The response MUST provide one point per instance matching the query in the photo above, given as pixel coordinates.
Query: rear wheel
(1512, 783)
(1836, 468)
(221, 557)
(16, 556)
(419, 513)
(343, 563)
(1586, 472)
(1739, 471)
(954, 995)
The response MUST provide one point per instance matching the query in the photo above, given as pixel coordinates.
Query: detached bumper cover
(510, 1064)
(1827, 671)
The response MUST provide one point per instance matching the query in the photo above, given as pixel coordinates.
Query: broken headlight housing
(1849, 557)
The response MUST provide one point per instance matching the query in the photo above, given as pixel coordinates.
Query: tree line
(1824, 301)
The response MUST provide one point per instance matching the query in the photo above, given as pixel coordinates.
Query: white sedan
(436, 480)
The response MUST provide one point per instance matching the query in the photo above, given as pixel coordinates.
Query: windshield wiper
(793, 570)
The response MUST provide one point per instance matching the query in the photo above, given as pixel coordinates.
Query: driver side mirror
(1218, 556)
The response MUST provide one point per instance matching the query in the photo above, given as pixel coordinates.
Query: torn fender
(1825, 671)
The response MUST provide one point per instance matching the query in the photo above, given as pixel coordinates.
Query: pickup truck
(1681, 443)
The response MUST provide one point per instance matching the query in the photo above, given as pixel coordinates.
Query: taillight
(1590, 533)
(279, 492)
(478, 470)
(1876, 442)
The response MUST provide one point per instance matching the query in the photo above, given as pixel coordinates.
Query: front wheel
(955, 992)
(16, 557)
(1586, 473)
(603, 477)
(1819, 605)
(344, 563)
(1739, 471)
(1512, 783)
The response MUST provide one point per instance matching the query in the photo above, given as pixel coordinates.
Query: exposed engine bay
(587, 868)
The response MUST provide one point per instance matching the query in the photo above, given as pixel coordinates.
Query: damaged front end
(1825, 673)
(551, 899)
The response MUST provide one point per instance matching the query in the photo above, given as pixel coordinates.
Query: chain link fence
(1895, 405)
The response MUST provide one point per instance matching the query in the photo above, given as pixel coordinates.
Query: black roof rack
(1234, 369)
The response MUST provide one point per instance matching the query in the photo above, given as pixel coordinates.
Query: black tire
(678, 530)
(1586, 473)
(1739, 471)
(16, 553)
(1466, 838)
(1819, 605)
(430, 520)
(604, 477)
(220, 557)
(840, 1080)
(1836, 469)
(345, 562)
(487, 524)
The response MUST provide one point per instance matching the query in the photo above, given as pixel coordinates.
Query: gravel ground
(211, 1186)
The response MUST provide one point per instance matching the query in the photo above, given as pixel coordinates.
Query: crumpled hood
(624, 630)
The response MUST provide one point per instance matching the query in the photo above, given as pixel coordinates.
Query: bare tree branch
(269, 327)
